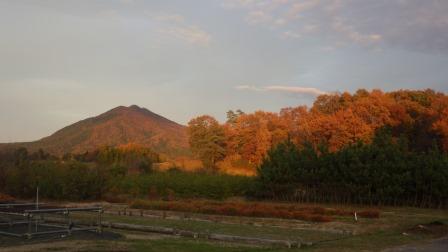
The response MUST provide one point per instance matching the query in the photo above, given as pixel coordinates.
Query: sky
(62, 61)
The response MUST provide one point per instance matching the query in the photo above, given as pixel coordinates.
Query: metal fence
(27, 220)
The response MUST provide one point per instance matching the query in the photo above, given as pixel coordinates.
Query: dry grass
(183, 163)
(6, 198)
(235, 165)
(249, 209)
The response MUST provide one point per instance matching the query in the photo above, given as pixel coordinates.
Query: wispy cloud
(257, 17)
(297, 90)
(284, 89)
(170, 17)
(249, 87)
(291, 34)
(191, 34)
(355, 36)
(409, 24)
(177, 26)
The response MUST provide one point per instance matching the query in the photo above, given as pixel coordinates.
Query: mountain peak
(118, 126)
(126, 109)
(134, 107)
(136, 110)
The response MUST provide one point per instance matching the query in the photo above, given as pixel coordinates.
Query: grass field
(396, 226)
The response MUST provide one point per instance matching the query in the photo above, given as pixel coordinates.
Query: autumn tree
(252, 135)
(296, 122)
(338, 120)
(233, 116)
(441, 126)
(207, 139)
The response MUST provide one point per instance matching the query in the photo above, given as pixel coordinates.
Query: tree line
(368, 148)
(74, 176)
(335, 120)
(116, 174)
(383, 172)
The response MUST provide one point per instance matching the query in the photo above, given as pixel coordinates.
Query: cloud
(350, 33)
(248, 87)
(413, 25)
(297, 90)
(258, 16)
(191, 34)
(299, 7)
(169, 17)
(176, 26)
(284, 89)
(291, 34)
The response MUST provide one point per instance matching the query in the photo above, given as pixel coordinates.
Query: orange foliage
(441, 126)
(347, 129)
(339, 119)
(297, 121)
(252, 135)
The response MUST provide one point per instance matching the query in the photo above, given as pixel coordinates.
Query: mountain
(118, 126)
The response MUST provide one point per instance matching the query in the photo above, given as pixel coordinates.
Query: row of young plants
(253, 209)
(176, 184)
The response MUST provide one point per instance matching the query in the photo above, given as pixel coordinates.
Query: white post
(37, 206)
(37, 198)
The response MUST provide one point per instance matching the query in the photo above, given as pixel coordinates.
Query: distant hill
(118, 126)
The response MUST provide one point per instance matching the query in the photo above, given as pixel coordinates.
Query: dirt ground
(42, 242)
(438, 245)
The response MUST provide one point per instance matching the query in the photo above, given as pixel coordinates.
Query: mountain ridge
(118, 126)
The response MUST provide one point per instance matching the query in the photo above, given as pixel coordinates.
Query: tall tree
(252, 135)
(207, 140)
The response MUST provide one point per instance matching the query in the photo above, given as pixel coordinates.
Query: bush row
(273, 210)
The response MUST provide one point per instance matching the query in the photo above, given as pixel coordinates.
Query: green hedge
(184, 185)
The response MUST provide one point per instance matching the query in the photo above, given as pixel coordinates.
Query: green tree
(207, 140)
(278, 173)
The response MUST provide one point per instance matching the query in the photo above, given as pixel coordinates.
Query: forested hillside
(367, 147)
(335, 120)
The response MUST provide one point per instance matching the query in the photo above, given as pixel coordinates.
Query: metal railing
(21, 220)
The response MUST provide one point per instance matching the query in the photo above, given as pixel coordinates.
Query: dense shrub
(109, 178)
(384, 172)
(178, 184)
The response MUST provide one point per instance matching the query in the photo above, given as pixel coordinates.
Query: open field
(394, 227)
